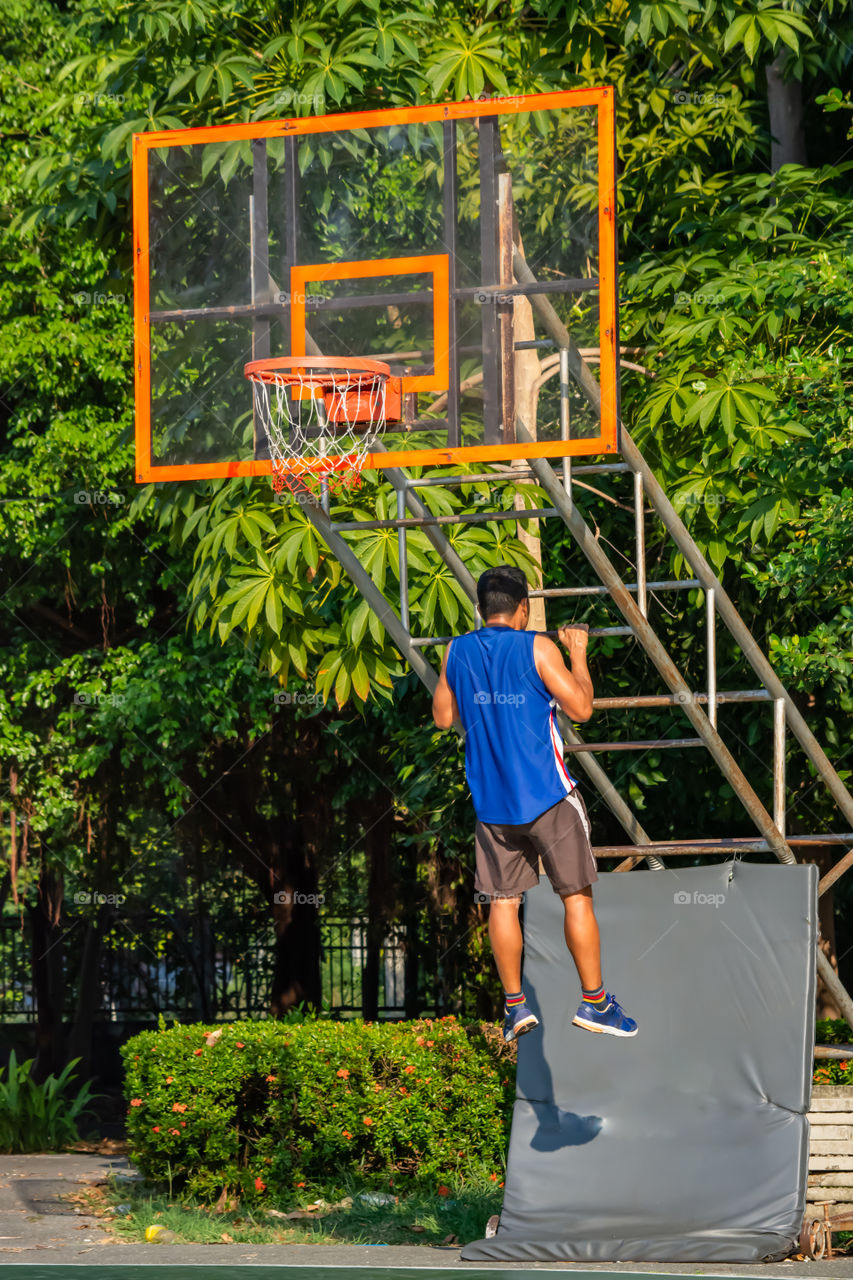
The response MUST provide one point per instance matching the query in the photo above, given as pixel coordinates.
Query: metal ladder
(631, 598)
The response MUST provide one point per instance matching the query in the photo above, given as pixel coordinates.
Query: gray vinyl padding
(689, 1142)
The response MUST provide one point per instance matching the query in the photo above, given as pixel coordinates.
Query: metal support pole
(835, 987)
(450, 242)
(710, 610)
(640, 539)
(611, 797)
(835, 873)
(653, 647)
(675, 526)
(489, 149)
(404, 561)
(648, 639)
(353, 567)
(259, 250)
(400, 480)
(566, 417)
(779, 763)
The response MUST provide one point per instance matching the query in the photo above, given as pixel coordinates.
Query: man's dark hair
(501, 590)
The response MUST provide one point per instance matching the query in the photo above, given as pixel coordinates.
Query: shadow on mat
(557, 1128)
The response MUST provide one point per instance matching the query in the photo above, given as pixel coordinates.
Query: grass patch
(416, 1216)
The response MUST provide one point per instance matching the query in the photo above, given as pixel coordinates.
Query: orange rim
(320, 371)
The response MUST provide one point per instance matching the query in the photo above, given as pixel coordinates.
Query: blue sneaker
(518, 1021)
(611, 1020)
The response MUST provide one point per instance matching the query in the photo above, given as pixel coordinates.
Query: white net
(320, 425)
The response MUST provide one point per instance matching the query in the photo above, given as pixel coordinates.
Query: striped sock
(512, 1001)
(598, 999)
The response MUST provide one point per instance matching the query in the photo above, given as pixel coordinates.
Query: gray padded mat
(688, 1142)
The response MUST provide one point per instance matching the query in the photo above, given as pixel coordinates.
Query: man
(504, 683)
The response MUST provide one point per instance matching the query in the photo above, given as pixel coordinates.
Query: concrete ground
(38, 1231)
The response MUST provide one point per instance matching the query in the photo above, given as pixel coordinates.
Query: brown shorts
(508, 856)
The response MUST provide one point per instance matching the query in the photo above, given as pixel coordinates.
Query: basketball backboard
(388, 235)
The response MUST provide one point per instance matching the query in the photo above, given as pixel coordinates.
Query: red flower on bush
(408, 1070)
(444, 1191)
(136, 1102)
(300, 1184)
(197, 1051)
(493, 1177)
(240, 1044)
(179, 1106)
(347, 1134)
(367, 1120)
(430, 1043)
(176, 1131)
(169, 1079)
(156, 1128)
(342, 1073)
(260, 1185)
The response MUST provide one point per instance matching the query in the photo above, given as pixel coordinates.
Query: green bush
(830, 1070)
(263, 1107)
(832, 1031)
(39, 1117)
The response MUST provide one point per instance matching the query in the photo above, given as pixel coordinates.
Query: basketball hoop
(322, 415)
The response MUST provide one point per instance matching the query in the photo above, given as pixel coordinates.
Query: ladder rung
(674, 584)
(641, 700)
(639, 745)
(418, 522)
(423, 642)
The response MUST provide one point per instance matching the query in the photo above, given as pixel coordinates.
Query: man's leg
(562, 834)
(506, 941)
(582, 937)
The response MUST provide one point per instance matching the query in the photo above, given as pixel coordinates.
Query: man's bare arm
(444, 709)
(571, 688)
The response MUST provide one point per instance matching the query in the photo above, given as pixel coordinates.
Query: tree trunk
(296, 969)
(824, 858)
(79, 1043)
(785, 108)
(278, 853)
(410, 894)
(47, 951)
(378, 826)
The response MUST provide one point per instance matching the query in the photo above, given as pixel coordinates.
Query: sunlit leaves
(263, 574)
(659, 19)
(466, 62)
(769, 25)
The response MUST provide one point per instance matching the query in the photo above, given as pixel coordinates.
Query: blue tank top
(513, 748)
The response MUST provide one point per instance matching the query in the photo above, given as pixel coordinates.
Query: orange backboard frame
(607, 442)
(435, 264)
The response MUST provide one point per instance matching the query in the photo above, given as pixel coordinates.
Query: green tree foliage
(736, 303)
(733, 275)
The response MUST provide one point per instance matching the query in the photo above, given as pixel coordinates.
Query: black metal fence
(186, 968)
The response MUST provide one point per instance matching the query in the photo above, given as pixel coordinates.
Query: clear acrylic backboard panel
(392, 235)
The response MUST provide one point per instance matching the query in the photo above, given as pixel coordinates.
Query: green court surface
(201, 1271)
